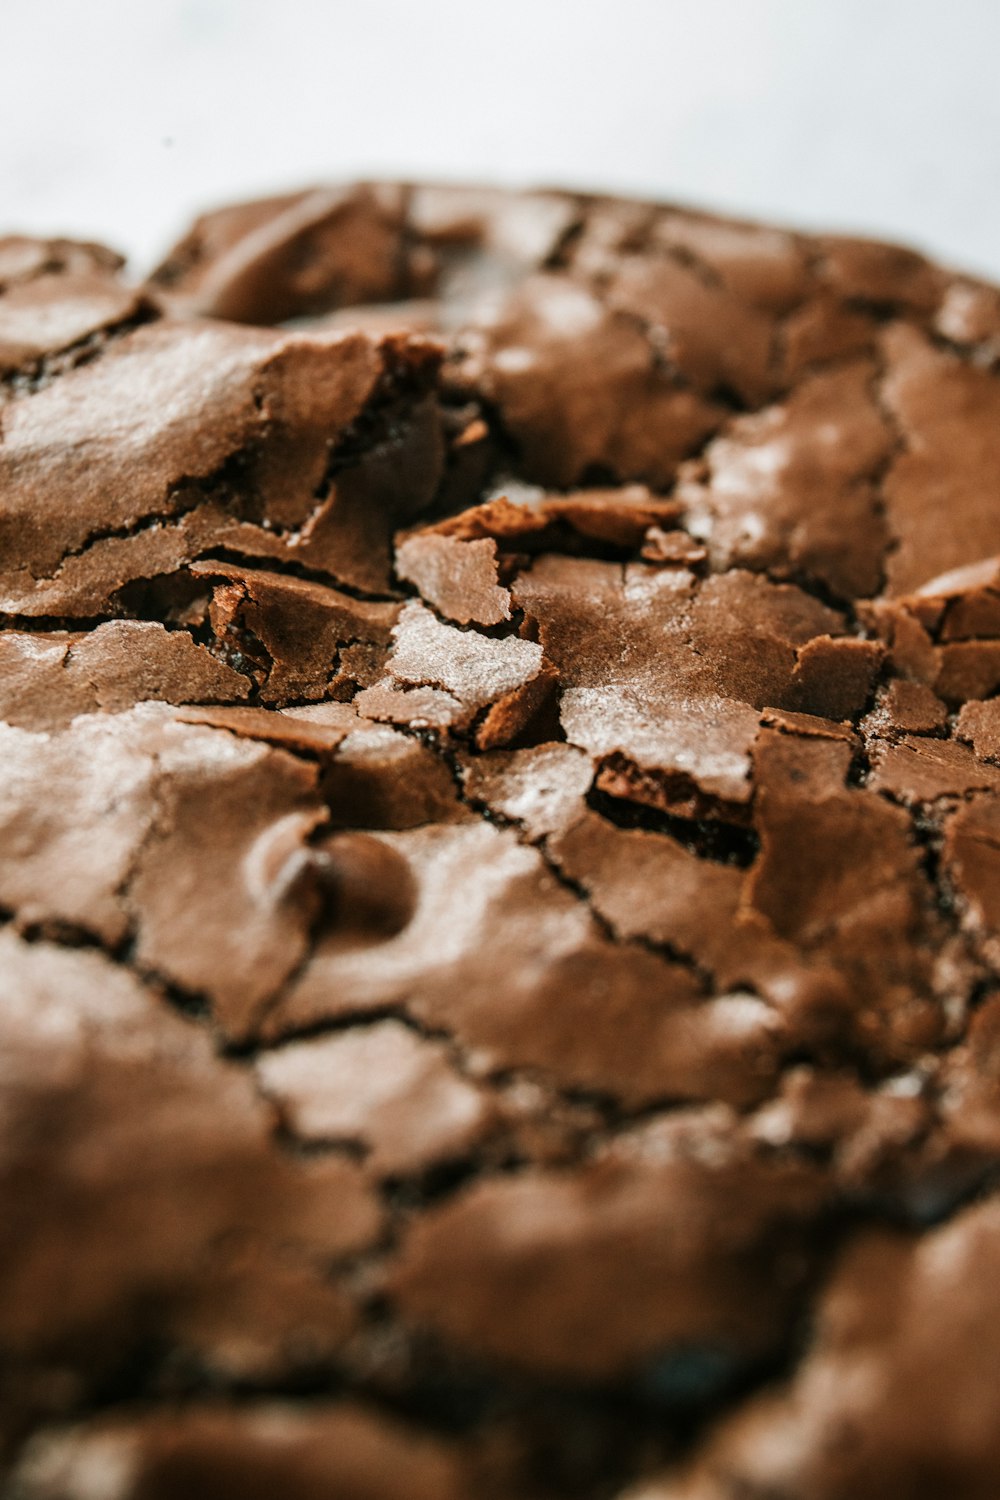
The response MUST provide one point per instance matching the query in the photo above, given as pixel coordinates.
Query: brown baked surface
(500, 859)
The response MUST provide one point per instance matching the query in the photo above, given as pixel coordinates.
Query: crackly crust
(499, 842)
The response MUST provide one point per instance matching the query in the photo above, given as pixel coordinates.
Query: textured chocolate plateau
(499, 859)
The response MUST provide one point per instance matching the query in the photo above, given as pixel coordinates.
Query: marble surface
(120, 118)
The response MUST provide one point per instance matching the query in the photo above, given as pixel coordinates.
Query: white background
(120, 118)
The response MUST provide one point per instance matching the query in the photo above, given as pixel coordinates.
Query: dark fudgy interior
(500, 860)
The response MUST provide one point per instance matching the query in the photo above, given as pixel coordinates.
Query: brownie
(499, 859)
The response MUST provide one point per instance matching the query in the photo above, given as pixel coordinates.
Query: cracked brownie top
(499, 858)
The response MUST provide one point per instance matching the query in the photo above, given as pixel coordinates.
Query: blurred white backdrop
(120, 118)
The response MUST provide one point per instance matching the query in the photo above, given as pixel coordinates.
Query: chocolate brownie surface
(499, 858)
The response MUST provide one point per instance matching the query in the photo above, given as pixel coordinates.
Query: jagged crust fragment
(499, 859)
